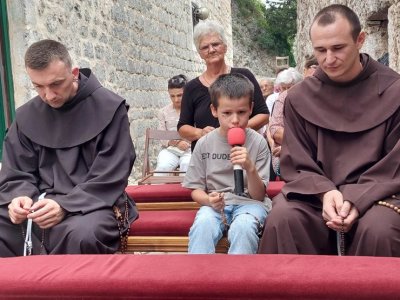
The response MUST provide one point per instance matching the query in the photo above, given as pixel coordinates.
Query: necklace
(205, 79)
(226, 71)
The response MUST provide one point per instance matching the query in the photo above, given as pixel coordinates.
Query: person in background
(287, 79)
(196, 119)
(341, 151)
(175, 153)
(310, 65)
(270, 101)
(71, 145)
(267, 87)
(211, 174)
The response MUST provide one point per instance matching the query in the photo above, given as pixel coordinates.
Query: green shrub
(273, 28)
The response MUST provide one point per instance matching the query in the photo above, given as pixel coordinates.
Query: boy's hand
(216, 200)
(239, 156)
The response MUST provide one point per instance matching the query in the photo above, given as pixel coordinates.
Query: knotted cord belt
(28, 246)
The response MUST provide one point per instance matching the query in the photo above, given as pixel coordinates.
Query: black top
(196, 100)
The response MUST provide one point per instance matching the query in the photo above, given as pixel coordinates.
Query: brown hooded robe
(81, 155)
(343, 136)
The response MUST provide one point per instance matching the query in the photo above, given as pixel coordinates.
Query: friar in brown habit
(71, 142)
(340, 152)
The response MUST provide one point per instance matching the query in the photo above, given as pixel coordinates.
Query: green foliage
(273, 28)
(251, 8)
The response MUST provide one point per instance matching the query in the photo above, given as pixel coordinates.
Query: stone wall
(381, 38)
(132, 46)
(135, 46)
(394, 35)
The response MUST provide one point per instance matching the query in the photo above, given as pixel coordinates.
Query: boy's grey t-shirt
(211, 170)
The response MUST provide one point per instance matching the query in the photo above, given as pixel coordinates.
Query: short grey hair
(208, 27)
(288, 76)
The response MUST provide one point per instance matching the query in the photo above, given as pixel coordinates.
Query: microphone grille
(236, 136)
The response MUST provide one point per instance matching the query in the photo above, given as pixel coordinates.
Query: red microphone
(237, 137)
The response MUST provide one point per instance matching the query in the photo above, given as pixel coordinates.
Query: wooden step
(167, 244)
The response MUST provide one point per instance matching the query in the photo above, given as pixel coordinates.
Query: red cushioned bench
(162, 197)
(177, 193)
(158, 193)
(199, 277)
(162, 227)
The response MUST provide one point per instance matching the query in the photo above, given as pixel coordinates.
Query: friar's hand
(348, 215)
(46, 213)
(18, 209)
(339, 214)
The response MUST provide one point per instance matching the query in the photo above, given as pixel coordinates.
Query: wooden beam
(189, 205)
(167, 244)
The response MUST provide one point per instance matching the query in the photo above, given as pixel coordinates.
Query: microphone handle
(239, 181)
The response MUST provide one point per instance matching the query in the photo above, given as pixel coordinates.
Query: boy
(210, 174)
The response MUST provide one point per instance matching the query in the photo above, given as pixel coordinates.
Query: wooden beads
(389, 205)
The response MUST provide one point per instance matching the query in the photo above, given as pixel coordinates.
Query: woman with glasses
(175, 153)
(196, 119)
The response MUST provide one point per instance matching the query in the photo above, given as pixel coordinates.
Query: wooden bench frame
(148, 176)
(189, 205)
(167, 244)
(170, 243)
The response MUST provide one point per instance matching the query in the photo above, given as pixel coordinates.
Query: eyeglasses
(214, 45)
(177, 80)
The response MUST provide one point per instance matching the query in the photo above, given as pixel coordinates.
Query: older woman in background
(267, 87)
(196, 119)
(287, 79)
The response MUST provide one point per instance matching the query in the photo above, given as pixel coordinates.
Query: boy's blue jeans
(244, 220)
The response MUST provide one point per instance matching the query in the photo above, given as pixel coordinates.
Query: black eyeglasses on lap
(177, 80)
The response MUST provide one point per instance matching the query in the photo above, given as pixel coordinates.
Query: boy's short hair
(233, 86)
